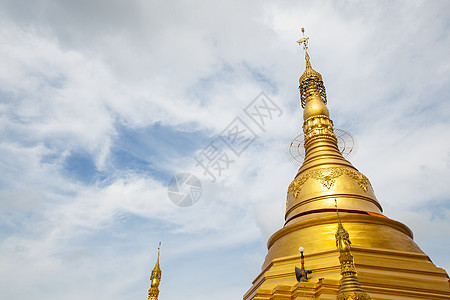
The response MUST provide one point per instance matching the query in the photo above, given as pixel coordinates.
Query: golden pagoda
(389, 264)
(350, 287)
(155, 279)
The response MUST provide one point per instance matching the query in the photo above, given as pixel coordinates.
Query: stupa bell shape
(390, 264)
(326, 176)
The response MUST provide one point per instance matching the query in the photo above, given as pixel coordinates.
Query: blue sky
(102, 102)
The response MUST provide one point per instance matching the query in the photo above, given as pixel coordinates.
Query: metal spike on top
(159, 250)
(304, 41)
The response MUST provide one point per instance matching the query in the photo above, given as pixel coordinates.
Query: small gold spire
(350, 287)
(155, 279)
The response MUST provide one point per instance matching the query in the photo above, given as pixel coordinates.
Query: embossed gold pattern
(327, 177)
(318, 126)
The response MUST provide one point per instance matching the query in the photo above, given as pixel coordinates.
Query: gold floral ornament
(327, 177)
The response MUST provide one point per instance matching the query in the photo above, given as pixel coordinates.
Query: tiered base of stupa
(389, 265)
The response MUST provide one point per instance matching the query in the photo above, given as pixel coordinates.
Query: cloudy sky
(103, 102)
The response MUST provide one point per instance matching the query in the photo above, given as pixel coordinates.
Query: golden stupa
(155, 279)
(388, 263)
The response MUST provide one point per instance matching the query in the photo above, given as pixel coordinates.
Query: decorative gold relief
(327, 177)
(362, 180)
(317, 126)
(353, 296)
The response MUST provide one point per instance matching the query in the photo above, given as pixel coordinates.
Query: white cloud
(73, 72)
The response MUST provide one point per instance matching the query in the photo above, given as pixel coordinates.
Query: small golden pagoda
(155, 279)
(390, 265)
(350, 288)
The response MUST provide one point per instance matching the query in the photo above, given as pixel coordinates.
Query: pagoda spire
(384, 246)
(323, 162)
(317, 123)
(312, 90)
(350, 288)
(155, 279)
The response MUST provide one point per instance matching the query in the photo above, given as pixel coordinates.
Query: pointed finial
(311, 84)
(337, 211)
(342, 237)
(159, 249)
(350, 287)
(155, 279)
(304, 41)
